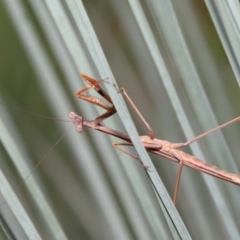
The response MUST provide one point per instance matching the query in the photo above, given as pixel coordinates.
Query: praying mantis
(156, 146)
(153, 145)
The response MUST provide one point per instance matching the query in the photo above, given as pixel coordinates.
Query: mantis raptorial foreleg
(95, 84)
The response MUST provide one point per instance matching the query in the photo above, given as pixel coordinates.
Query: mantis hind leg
(180, 167)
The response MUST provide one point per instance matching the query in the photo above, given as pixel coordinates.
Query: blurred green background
(205, 85)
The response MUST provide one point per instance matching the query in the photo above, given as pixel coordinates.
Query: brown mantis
(159, 147)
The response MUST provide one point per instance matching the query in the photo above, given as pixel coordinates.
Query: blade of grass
(225, 15)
